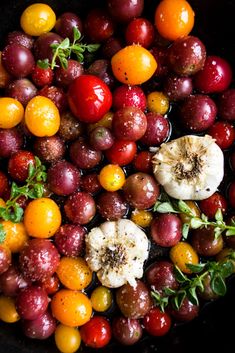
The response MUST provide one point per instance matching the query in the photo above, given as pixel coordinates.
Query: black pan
(214, 330)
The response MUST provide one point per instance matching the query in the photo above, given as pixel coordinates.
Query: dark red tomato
(125, 10)
(121, 152)
(50, 285)
(133, 96)
(210, 205)
(186, 312)
(89, 98)
(42, 77)
(98, 25)
(156, 322)
(90, 183)
(18, 165)
(96, 333)
(215, 76)
(57, 95)
(140, 31)
(223, 133)
(143, 162)
(65, 24)
(3, 183)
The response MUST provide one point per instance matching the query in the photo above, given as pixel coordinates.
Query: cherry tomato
(4, 75)
(112, 177)
(16, 236)
(37, 19)
(210, 205)
(42, 77)
(174, 19)
(18, 165)
(223, 133)
(71, 308)
(42, 117)
(156, 322)
(140, 31)
(74, 273)
(121, 152)
(12, 112)
(143, 162)
(133, 65)
(142, 218)
(42, 218)
(96, 333)
(8, 311)
(101, 298)
(157, 102)
(183, 253)
(89, 98)
(67, 339)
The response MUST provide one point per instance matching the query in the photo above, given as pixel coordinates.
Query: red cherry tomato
(223, 133)
(42, 77)
(210, 205)
(143, 162)
(121, 152)
(89, 98)
(156, 322)
(96, 333)
(140, 31)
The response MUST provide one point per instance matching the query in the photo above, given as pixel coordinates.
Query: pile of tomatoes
(95, 125)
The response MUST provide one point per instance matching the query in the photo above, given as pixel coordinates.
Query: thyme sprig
(63, 51)
(189, 286)
(32, 189)
(179, 206)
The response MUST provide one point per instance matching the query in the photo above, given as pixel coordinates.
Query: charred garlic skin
(116, 251)
(190, 167)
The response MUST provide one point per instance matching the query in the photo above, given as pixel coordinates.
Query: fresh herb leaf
(180, 276)
(219, 215)
(184, 208)
(76, 34)
(192, 296)
(218, 285)
(196, 223)
(2, 233)
(185, 230)
(165, 207)
(43, 64)
(196, 268)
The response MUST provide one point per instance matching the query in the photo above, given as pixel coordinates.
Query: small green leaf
(38, 163)
(192, 296)
(178, 300)
(165, 207)
(218, 285)
(230, 232)
(196, 223)
(43, 64)
(78, 49)
(196, 268)
(169, 291)
(91, 48)
(64, 63)
(184, 208)
(227, 268)
(76, 34)
(17, 215)
(180, 276)
(39, 190)
(64, 44)
(204, 218)
(185, 230)
(5, 214)
(14, 190)
(80, 57)
(31, 170)
(218, 232)
(2, 233)
(219, 215)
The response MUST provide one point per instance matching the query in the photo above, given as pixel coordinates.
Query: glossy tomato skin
(156, 322)
(122, 152)
(96, 333)
(89, 98)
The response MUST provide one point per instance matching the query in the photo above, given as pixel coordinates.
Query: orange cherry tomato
(12, 112)
(174, 19)
(42, 117)
(183, 253)
(142, 218)
(42, 218)
(157, 102)
(74, 273)
(16, 236)
(71, 308)
(37, 19)
(133, 65)
(8, 311)
(112, 177)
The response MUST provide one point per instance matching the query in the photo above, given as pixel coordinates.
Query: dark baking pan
(213, 330)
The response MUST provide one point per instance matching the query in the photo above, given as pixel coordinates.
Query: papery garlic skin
(190, 167)
(117, 251)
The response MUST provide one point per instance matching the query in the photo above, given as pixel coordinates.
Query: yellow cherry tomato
(112, 177)
(42, 117)
(183, 253)
(42, 218)
(142, 218)
(67, 339)
(11, 112)
(37, 19)
(8, 311)
(101, 298)
(133, 65)
(106, 121)
(16, 236)
(157, 102)
(174, 19)
(71, 308)
(74, 273)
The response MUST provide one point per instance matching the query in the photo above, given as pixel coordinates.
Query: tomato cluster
(94, 116)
